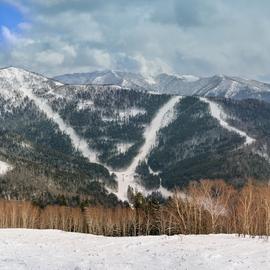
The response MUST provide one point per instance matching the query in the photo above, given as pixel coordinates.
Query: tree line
(207, 206)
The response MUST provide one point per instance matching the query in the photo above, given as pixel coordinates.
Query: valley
(101, 143)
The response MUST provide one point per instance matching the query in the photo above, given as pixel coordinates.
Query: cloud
(18, 4)
(103, 59)
(151, 67)
(148, 36)
(184, 13)
(24, 26)
(50, 58)
(8, 36)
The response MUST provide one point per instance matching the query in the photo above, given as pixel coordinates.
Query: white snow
(218, 113)
(126, 177)
(123, 147)
(232, 89)
(22, 249)
(150, 80)
(85, 104)
(4, 167)
(132, 112)
(122, 115)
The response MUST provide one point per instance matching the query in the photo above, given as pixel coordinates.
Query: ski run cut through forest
(125, 177)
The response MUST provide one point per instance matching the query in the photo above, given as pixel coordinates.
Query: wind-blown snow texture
(126, 178)
(40, 249)
(217, 112)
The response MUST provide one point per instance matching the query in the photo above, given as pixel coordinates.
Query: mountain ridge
(184, 85)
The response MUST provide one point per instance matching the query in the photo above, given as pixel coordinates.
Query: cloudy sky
(200, 37)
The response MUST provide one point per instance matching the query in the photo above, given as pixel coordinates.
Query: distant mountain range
(185, 85)
(97, 143)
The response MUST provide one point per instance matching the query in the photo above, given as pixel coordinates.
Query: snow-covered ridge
(217, 85)
(218, 113)
(164, 116)
(52, 249)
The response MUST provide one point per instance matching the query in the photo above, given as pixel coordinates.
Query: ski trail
(217, 112)
(163, 118)
(77, 142)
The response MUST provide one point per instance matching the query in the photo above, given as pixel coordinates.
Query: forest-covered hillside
(77, 144)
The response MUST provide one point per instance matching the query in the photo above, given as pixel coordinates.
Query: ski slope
(51, 249)
(126, 178)
(218, 113)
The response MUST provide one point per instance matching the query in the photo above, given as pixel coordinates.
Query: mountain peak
(12, 69)
(19, 73)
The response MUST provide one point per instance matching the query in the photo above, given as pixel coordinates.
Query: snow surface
(127, 177)
(123, 147)
(51, 249)
(131, 112)
(218, 113)
(85, 104)
(232, 89)
(4, 167)
(122, 115)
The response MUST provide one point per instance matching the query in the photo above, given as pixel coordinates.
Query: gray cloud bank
(201, 37)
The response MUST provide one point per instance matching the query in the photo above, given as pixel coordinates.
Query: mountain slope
(126, 178)
(77, 143)
(40, 146)
(197, 146)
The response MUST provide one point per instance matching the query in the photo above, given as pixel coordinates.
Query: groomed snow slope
(218, 113)
(50, 249)
(163, 117)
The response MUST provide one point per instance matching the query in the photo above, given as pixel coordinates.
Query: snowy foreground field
(48, 249)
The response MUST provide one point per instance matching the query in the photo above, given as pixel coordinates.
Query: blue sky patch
(10, 16)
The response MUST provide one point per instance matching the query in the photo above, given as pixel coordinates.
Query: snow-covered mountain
(17, 84)
(94, 139)
(234, 87)
(184, 85)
